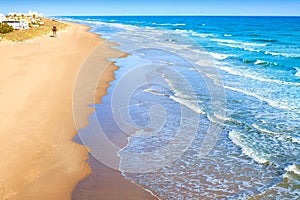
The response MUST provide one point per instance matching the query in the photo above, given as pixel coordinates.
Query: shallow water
(211, 104)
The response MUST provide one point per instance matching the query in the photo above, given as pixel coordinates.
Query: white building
(17, 24)
(36, 14)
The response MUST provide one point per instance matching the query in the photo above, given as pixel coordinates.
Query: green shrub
(5, 28)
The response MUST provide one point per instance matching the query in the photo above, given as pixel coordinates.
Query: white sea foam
(297, 72)
(272, 53)
(203, 35)
(169, 24)
(236, 138)
(230, 45)
(152, 91)
(184, 99)
(219, 56)
(238, 42)
(262, 129)
(248, 46)
(253, 44)
(279, 136)
(261, 62)
(191, 104)
(254, 76)
(293, 168)
(227, 35)
(219, 118)
(179, 24)
(115, 25)
(269, 101)
(295, 140)
(181, 31)
(291, 55)
(226, 41)
(251, 49)
(215, 55)
(288, 55)
(239, 47)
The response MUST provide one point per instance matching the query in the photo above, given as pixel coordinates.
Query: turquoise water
(216, 107)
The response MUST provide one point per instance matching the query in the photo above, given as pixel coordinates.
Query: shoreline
(103, 182)
(40, 160)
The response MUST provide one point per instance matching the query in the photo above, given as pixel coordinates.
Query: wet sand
(39, 159)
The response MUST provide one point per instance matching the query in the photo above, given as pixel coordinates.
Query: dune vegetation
(22, 35)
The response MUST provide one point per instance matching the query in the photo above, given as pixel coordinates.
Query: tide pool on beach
(210, 105)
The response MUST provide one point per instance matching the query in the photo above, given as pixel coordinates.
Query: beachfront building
(34, 14)
(17, 24)
(30, 16)
(22, 21)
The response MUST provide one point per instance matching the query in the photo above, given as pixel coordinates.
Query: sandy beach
(39, 159)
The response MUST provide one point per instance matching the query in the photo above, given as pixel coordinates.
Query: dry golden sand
(39, 160)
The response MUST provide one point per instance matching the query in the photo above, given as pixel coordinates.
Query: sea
(210, 105)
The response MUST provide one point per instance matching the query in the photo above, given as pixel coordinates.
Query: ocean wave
(203, 35)
(240, 47)
(169, 24)
(288, 55)
(113, 25)
(295, 140)
(186, 99)
(297, 72)
(265, 63)
(254, 76)
(262, 62)
(219, 56)
(291, 55)
(226, 41)
(262, 129)
(264, 40)
(238, 42)
(251, 49)
(236, 138)
(272, 53)
(221, 118)
(293, 173)
(89, 19)
(227, 35)
(253, 44)
(191, 104)
(179, 24)
(181, 31)
(231, 45)
(152, 91)
(269, 101)
(294, 168)
(279, 136)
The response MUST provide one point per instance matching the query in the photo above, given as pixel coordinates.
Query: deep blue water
(215, 102)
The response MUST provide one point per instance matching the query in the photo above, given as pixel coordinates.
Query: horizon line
(170, 15)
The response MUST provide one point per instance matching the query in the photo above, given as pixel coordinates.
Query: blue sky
(155, 7)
